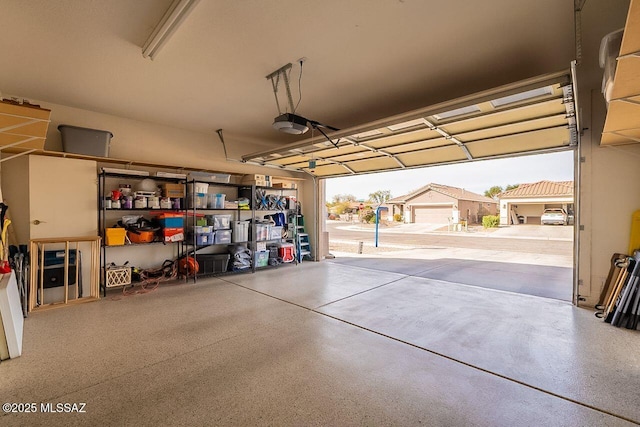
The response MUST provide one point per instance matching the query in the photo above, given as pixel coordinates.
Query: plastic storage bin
(213, 263)
(203, 229)
(275, 232)
(220, 221)
(200, 187)
(114, 236)
(204, 239)
(216, 201)
(90, 142)
(262, 231)
(222, 236)
(261, 258)
(200, 201)
(240, 231)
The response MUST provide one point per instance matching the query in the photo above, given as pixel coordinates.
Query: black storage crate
(53, 275)
(212, 263)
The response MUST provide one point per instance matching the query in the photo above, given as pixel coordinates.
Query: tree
(341, 203)
(342, 198)
(511, 187)
(493, 191)
(379, 197)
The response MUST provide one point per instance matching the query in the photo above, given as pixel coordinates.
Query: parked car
(554, 216)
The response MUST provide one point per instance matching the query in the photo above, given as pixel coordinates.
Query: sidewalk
(538, 232)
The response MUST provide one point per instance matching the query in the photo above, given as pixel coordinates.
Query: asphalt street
(533, 260)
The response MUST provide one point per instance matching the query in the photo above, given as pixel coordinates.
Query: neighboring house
(525, 204)
(442, 204)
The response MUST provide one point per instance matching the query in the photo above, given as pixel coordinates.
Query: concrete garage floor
(325, 344)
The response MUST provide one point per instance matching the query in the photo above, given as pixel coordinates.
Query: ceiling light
(547, 90)
(457, 112)
(405, 125)
(290, 123)
(171, 20)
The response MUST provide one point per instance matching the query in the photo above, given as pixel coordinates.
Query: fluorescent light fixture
(523, 96)
(457, 112)
(171, 20)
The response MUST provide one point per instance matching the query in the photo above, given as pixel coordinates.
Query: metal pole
(377, 222)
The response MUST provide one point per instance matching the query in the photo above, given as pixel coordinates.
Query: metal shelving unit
(104, 212)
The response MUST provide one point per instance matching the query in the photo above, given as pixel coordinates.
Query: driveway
(533, 260)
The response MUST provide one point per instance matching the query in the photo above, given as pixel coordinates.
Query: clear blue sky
(473, 176)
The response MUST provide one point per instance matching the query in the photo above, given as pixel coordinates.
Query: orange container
(141, 236)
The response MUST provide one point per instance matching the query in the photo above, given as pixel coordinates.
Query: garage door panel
(432, 214)
(532, 141)
(510, 129)
(433, 156)
(404, 138)
(521, 114)
(382, 163)
(417, 146)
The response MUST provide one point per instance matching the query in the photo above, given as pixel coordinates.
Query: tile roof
(540, 189)
(455, 192)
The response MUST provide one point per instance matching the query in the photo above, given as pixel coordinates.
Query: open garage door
(533, 116)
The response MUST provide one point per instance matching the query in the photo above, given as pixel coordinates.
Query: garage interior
(407, 85)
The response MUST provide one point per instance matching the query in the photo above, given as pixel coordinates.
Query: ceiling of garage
(366, 61)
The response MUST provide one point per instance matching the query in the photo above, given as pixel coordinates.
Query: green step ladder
(303, 246)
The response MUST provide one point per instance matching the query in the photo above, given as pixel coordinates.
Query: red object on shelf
(173, 234)
(5, 267)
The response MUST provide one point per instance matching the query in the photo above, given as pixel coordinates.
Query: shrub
(368, 216)
(397, 217)
(490, 221)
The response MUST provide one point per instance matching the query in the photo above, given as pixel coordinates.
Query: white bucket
(201, 187)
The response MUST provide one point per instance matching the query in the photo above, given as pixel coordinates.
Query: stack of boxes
(257, 180)
(172, 224)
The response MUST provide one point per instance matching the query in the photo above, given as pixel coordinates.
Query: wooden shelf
(622, 125)
(23, 127)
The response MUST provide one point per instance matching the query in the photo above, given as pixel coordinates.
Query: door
(63, 201)
(432, 214)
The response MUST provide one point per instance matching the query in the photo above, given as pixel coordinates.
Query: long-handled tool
(607, 289)
(623, 305)
(617, 288)
(615, 297)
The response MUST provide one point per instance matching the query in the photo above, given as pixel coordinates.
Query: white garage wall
(608, 174)
(153, 143)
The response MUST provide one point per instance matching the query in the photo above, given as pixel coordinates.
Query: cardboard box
(257, 183)
(173, 234)
(258, 180)
(175, 191)
(286, 185)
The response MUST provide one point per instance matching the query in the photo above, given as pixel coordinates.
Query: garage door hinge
(583, 159)
(581, 228)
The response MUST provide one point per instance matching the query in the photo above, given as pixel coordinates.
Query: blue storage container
(204, 239)
(172, 222)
